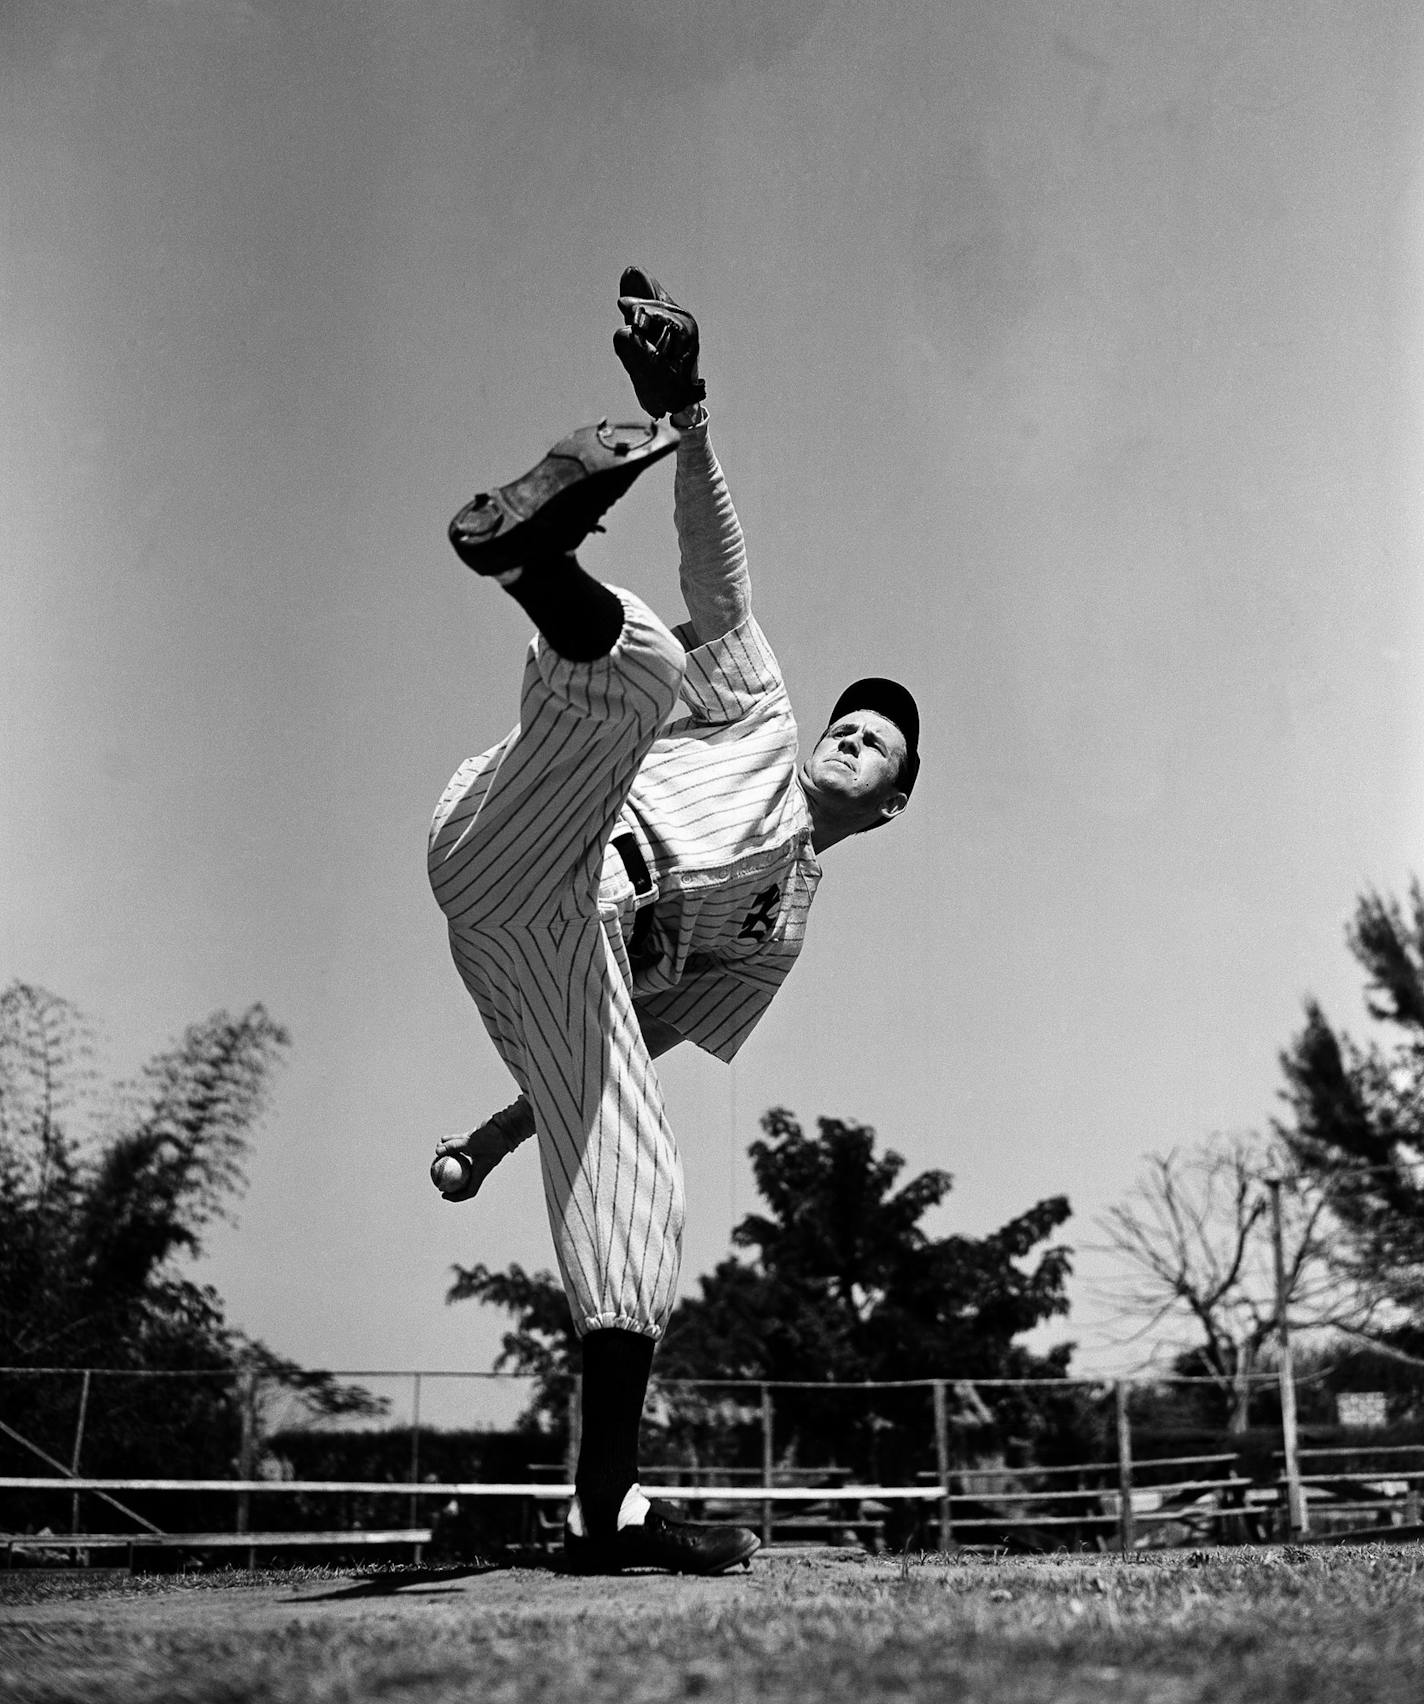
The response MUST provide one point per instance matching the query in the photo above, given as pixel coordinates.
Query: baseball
(448, 1173)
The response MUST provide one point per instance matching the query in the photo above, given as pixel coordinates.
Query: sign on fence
(1362, 1410)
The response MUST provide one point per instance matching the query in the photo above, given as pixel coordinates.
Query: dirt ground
(834, 1626)
(159, 1602)
(505, 1635)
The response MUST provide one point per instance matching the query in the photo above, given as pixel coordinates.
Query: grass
(1292, 1626)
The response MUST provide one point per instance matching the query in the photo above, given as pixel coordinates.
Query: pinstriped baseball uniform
(532, 863)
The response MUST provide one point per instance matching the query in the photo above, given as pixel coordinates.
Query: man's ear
(893, 806)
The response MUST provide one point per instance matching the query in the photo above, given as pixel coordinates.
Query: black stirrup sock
(616, 1365)
(579, 616)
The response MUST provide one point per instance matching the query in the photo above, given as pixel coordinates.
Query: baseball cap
(896, 703)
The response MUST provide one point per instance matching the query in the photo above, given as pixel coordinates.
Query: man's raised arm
(659, 347)
(712, 560)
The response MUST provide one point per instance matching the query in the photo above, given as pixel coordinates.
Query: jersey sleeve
(730, 678)
(712, 554)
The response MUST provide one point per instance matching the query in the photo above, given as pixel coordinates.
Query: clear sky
(1065, 360)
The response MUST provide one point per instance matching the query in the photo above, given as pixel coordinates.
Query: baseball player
(632, 868)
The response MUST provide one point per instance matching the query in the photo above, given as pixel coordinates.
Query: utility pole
(1297, 1515)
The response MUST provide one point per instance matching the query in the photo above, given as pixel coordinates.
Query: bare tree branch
(1194, 1250)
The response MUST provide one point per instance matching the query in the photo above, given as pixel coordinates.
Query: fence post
(767, 1457)
(571, 1455)
(247, 1443)
(414, 1446)
(1126, 1520)
(78, 1445)
(941, 1426)
(1297, 1516)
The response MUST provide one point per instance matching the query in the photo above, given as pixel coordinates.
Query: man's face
(857, 759)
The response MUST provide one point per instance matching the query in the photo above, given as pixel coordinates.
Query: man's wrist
(515, 1122)
(686, 419)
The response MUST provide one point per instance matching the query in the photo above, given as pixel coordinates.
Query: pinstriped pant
(516, 855)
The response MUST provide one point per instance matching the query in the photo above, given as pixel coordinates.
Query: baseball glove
(657, 346)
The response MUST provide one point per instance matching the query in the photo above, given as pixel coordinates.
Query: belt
(627, 848)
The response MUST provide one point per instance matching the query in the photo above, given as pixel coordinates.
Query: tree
(103, 1201)
(95, 1219)
(845, 1284)
(1195, 1239)
(1195, 1234)
(543, 1344)
(1356, 1124)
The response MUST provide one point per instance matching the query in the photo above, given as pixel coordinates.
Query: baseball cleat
(550, 510)
(664, 1542)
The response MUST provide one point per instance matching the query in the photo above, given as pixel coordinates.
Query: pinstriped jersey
(723, 826)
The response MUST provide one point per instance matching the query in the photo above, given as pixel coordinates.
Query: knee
(649, 653)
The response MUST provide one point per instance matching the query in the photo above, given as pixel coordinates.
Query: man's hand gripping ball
(463, 1162)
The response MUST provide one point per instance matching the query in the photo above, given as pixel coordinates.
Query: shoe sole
(596, 1565)
(550, 510)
